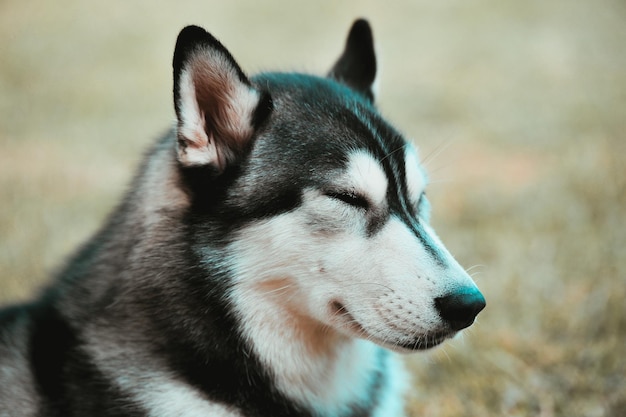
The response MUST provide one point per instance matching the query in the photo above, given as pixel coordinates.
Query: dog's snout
(460, 307)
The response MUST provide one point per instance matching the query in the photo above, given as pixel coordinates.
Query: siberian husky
(273, 252)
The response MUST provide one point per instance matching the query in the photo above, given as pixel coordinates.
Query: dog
(270, 258)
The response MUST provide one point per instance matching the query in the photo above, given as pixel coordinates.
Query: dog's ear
(357, 65)
(217, 107)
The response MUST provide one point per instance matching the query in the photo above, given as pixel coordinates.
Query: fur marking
(270, 257)
(415, 177)
(365, 175)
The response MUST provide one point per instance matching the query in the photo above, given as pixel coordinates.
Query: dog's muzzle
(460, 308)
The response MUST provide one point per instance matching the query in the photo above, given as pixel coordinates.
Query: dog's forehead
(320, 113)
(322, 136)
(323, 132)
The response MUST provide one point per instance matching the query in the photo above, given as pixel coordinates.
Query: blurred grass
(519, 109)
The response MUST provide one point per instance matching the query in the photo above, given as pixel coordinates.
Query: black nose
(460, 308)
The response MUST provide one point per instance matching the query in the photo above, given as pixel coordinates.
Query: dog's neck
(316, 366)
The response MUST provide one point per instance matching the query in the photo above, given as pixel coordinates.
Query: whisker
(391, 153)
(436, 151)
(474, 267)
(286, 287)
(368, 283)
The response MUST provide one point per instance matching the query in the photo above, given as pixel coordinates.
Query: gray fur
(150, 317)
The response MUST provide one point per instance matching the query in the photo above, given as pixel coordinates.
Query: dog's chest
(169, 398)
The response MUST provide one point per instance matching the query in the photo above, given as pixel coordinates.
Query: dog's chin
(418, 342)
(421, 342)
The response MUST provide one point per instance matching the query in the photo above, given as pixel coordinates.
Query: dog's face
(328, 218)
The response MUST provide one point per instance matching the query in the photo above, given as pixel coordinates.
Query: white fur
(159, 392)
(294, 269)
(366, 176)
(199, 150)
(415, 175)
(165, 397)
(313, 364)
(392, 400)
(236, 100)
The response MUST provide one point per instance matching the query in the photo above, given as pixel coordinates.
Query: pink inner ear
(216, 109)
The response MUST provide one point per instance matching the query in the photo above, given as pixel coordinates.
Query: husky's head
(315, 204)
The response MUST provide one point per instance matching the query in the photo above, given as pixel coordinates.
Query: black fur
(357, 65)
(148, 287)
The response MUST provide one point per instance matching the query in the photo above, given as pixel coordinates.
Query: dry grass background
(519, 109)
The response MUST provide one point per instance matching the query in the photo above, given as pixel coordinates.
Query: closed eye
(350, 198)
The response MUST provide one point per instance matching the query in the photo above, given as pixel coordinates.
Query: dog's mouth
(417, 342)
(339, 310)
(423, 342)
